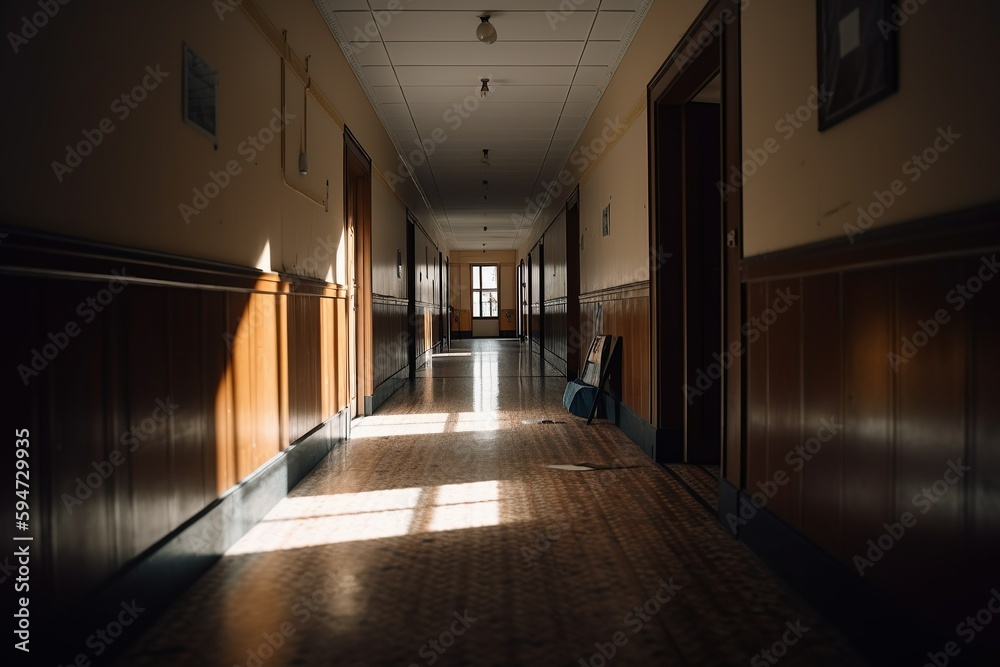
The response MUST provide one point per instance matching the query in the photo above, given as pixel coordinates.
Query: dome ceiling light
(485, 32)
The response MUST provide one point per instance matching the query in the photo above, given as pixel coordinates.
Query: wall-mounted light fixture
(486, 87)
(485, 32)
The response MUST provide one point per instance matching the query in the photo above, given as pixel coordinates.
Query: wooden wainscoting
(623, 311)
(556, 333)
(176, 381)
(389, 336)
(885, 367)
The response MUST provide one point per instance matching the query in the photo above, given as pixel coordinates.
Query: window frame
(478, 291)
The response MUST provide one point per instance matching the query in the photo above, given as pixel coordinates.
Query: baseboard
(386, 389)
(508, 333)
(460, 335)
(662, 445)
(159, 575)
(882, 629)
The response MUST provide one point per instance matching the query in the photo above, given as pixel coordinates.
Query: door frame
(358, 226)
(678, 80)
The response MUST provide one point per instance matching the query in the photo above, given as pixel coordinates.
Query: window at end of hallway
(485, 295)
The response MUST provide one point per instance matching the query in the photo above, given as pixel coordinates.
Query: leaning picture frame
(201, 94)
(857, 61)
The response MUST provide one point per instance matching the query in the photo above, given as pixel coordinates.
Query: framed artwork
(606, 221)
(201, 92)
(857, 65)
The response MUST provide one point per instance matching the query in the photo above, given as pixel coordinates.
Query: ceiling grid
(421, 65)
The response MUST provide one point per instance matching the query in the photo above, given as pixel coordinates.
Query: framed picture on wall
(857, 65)
(201, 87)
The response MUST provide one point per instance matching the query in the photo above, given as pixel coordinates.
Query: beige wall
(461, 281)
(129, 190)
(389, 221)
(812, 187)
(621, 181)
(619, 173)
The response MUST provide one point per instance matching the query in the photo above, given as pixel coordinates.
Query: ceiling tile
(474, 53)
(457, 75)
(424, 80)
(496, 6)
(600, 53)
(583, 94)
(460, 26)
(611, 25)
(390, 94)
(591, 75)
(370, 53)
(396, 110)
(380, 76)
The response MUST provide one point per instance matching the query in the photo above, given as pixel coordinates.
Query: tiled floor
(438, 536)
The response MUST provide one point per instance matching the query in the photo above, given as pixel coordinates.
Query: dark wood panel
(623, 313)
(784, 390)
(930, 422)
(166, 395)
(905, 356)
(757, 393)
(983, 453)
(820, 465)
(868, 400)
(949, 235)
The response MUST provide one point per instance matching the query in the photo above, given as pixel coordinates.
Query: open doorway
(696, 295)
(358, 219)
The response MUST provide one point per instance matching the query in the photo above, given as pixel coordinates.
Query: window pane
(475, 304)
(494, 306)
(490, 277)
(475, 277)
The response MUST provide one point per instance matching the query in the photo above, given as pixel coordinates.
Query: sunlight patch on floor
(386, 426)
(311, 521)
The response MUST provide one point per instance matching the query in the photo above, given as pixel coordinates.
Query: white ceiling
(547, 69)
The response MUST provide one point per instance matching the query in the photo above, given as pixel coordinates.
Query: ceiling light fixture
(486, 87)
(485, 32)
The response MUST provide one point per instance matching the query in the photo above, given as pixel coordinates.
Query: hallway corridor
(439, 535)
